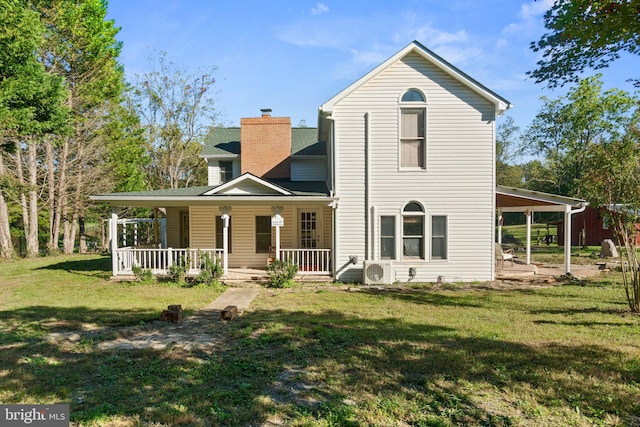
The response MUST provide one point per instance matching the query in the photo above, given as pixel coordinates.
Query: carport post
(528, 214)
(567, 239)
(500, 223)
(113, 235)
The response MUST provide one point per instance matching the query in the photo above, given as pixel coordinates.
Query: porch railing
(309, 261)
(159, 261)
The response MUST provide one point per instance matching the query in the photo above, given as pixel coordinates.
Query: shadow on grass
(96, 267)
(326, 367)
(46, 319)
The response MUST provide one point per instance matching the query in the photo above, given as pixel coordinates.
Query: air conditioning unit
(377, 273)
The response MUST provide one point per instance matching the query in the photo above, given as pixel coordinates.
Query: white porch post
(113, 243)
(500, 222)
(567, 240)
(277, 221)
(225, 244)
(528, 214)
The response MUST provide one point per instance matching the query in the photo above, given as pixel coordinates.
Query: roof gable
(499, 102)
(247, 185)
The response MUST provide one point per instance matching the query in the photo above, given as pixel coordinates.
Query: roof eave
(152, 201)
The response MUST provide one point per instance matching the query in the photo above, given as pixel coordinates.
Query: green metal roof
(304, 141)
(221, 141)
(226, 141)
(297, 188)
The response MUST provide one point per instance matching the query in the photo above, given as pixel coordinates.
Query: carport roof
(519, 199)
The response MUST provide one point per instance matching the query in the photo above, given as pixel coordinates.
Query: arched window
(413, 130)
(412, 95)
(413, 230)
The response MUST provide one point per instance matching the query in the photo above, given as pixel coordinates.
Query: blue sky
(294, 55)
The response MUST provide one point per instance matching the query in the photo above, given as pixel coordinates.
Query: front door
(309, 229)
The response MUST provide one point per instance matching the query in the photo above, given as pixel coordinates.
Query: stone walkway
(201, 330)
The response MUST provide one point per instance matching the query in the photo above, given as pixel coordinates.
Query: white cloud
(319, 8)
(529, 18)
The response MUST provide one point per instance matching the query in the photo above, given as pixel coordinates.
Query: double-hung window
(438, 237)
(387, 237)
(413, 231)
(226, 171)
(413, 130)
(263, 234)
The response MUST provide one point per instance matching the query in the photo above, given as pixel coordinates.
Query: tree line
(71, 126)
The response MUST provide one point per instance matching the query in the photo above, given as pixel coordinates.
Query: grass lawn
(326, 355)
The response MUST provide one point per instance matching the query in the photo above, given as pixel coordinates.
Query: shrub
(281, 274)
(142, 275)
(178, 270)
(210, 270)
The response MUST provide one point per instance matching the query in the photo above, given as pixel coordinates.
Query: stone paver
(201, 330)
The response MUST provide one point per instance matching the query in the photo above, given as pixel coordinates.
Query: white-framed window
(226, 170)
(413, 130)
(387, 237)
(263, 234)
(413, 231)
(438, 237)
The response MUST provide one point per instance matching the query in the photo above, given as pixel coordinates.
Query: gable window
(226, 171)
(413, 231)
(412, 130)
(438, 237)
(387, 237)
(220, 233)
(263, 234)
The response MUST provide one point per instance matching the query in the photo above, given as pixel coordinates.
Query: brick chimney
(266, 146)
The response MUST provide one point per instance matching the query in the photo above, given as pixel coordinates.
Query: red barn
(589, 224)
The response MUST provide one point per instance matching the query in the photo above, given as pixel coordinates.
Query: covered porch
(246, 223)
(509, 199)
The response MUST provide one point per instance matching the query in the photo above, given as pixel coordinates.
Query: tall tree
(30, 106)
(613, 181)
(507, 150)
(564, 128)
(176, 109)
(81, 46)
(585, 34)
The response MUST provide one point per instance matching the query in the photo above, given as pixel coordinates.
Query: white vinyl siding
(458, 181)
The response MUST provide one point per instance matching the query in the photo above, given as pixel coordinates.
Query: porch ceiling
(510, 199)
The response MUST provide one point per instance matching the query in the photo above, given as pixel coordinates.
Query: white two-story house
(396, 183)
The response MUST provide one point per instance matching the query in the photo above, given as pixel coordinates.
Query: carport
(509, 199)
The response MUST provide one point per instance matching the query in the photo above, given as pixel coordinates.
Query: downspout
(334, 206)
(567, 234)
(367, 190)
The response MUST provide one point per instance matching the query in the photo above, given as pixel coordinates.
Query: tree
(585, 34)
(564, 128)
(507, 149)
(176, 110)
(613, 181)
(81, 46)
(31, 105)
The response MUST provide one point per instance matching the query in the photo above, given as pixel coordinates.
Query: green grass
(328, 356)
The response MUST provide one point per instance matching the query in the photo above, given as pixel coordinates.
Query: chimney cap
(265, 110)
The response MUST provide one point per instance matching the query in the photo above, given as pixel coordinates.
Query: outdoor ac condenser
(377, 273)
